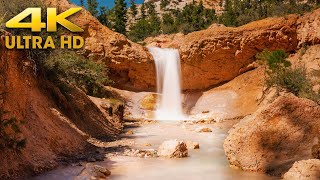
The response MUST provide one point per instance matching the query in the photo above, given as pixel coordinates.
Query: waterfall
(167, 63)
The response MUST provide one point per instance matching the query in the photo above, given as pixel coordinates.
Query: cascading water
(168, 84)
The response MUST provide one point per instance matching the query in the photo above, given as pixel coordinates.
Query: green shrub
(274, 59)
(283, 76)
(10, 133)
(292, 79)
(65, 66)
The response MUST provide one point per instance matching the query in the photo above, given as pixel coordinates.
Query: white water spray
(168, 84)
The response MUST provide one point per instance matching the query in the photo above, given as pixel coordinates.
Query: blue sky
(109, 3)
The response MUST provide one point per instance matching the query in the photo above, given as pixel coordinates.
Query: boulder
(173, 149)
(276, 136)
(192, 145)
(304, 170)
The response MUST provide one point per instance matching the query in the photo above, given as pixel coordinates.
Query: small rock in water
(147, 144)
(203, 129)
(93, 172)
(173, 149)
(205, 121)
(140, 153)
(192, 145)
(130, 132)
(102, 170)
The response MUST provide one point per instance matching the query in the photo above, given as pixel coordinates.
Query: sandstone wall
(209, 57)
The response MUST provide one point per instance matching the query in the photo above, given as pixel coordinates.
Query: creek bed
(208, 162)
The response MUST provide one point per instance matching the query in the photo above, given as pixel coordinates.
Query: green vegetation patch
(283, 76)
(65, 66)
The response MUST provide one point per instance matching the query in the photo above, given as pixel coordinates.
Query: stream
(208, 162)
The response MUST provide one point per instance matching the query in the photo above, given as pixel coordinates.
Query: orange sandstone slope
(56, 125)
(131, 65)
(46, 132)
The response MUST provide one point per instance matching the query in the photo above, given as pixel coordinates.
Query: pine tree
(103, 16)
(151, 9)
(82, 3)
(168, 24)
(120, 11)
(228, 18)
(133, 8)
(92, 7)
(143, 11)
(155, 24)
(164, 4)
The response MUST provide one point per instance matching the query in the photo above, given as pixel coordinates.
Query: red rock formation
(209, 57)
(131, 65)
(219, 53)
(56, 125)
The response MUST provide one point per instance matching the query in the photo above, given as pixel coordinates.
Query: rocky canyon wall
(209, 57)
(55, 125)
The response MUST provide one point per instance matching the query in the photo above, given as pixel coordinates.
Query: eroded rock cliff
(56, 125)
(209, 57)
(219, 53)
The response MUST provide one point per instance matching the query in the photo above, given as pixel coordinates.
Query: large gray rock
(304, 170)
(173, 149)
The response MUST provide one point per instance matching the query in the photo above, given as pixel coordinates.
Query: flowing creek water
(206, 163)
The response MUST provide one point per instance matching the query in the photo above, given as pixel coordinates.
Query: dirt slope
(55, 126)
